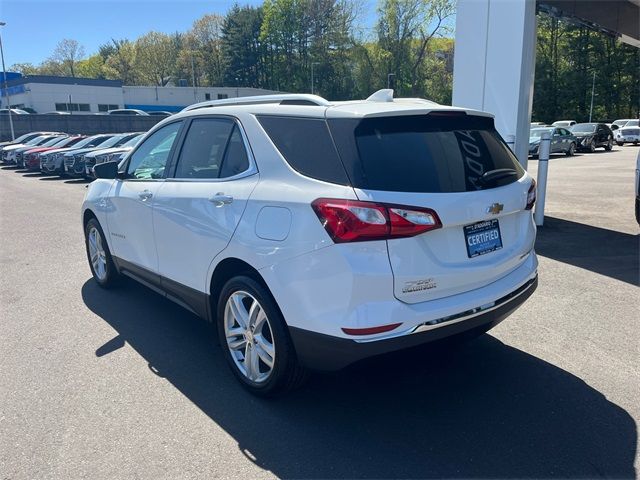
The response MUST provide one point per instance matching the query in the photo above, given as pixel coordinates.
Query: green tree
(121, 62)
(205, 40)
(155, 58)
(244, 54)
(405, 29)
(91, 67)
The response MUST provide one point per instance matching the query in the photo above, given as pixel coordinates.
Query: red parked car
(32, 159)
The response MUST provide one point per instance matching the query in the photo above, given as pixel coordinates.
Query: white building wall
(42, 97)
(161, 97)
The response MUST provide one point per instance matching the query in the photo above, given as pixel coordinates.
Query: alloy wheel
(249, 336)
(97, 254)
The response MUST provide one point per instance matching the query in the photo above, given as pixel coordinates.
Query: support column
(494, 64)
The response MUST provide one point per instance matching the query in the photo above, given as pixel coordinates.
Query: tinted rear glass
(307, 147)
(424, 153)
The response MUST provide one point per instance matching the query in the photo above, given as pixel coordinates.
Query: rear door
(459, 167)
(197, 210)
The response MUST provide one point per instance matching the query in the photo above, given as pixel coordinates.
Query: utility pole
(312, 78)
(389, 79)
(593, 87)
(193, 78)
(6, 87)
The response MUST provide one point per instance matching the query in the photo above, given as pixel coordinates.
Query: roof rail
(289, 98)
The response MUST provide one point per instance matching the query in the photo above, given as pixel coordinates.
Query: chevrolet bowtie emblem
(495, 209)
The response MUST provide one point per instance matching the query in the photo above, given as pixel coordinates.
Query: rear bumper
(318, 351)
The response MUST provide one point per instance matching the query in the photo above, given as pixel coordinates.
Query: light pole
(6, 87)
(312, 81)
(389, 79)
(593, 88)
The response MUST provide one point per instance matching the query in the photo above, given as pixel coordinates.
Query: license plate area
(482, 238)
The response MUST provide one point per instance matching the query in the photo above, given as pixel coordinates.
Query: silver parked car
(562, 141)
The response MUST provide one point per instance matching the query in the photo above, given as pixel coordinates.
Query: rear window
(424, 153)
(307, 147)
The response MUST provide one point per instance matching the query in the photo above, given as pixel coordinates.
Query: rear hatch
(458, 166)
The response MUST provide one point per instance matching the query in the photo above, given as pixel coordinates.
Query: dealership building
(46, 94)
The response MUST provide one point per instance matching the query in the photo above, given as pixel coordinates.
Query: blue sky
(34, 27)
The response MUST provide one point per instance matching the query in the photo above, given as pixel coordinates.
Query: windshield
(112, 142)
(620, 123)
(22, 138)
(98, 140)
(68, 141)
(583, 128)
(36, 141)
(632, 123)
(53, 141)
(84, 142)
(537, 132)
(134, 141)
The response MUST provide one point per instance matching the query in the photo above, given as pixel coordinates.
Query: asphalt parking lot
(125, 384)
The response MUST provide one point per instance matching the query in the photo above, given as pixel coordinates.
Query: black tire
(609, 145)
(635, 143)
(620, 144)
(287, 373)
(112, 276)
(572, 150)
(592, 146)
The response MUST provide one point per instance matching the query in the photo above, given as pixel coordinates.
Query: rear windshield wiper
(497, 174)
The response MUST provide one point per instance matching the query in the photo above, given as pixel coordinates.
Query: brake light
(531, 195)
(356, 221)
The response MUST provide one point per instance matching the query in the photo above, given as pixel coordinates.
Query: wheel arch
(225, 270)
(88, 215)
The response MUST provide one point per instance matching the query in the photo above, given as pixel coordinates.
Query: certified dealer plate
(482, 237)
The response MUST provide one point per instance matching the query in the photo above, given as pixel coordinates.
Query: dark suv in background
(592, 135)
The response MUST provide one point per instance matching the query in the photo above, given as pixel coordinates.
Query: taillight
(356, 221)
(531, 195)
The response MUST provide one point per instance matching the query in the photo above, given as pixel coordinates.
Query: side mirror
(107, 170)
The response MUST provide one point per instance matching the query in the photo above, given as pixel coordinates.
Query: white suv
(316, 233)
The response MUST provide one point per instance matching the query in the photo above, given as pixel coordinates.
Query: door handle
(220, 199)
(145, 195)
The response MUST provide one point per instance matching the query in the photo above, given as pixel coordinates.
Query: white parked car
(564, 123)
(316, 233)
(628, 133)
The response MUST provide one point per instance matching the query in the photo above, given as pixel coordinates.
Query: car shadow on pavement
(482, 410)
(607, 252)
(78, 181)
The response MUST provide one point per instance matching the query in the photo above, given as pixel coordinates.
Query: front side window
(213, 148)
(150, 159)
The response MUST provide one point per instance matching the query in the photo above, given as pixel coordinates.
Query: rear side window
(203, 149)
(306, 145)
(426, 153)
(213, 148)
